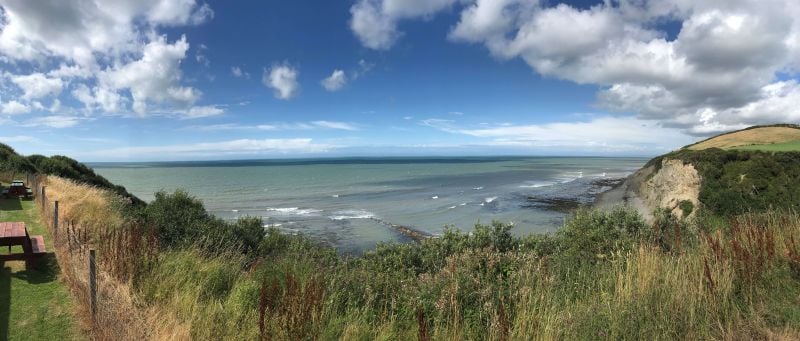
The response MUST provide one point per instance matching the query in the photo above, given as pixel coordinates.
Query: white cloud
(81, 31)
(18, 139)
(204, 111)
(56, 121)
(233, 147)
(375, 21)
(155, 77)
(314, 125)
(727, 57)
(239, 73)
(15, 108)
(109, 54)
(282, 78)
(335, 81)
(334, 125)
(601, 134)
(200, 55)
(102, 98)
(37, 85)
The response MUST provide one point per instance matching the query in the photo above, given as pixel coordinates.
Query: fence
(98, 263)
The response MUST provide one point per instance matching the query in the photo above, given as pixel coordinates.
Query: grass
(33, 303)
(605, 275)
(792, 146)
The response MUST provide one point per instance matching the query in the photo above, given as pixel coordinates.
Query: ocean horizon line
(345, 160)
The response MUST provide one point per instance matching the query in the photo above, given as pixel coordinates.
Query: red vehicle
(17, 189)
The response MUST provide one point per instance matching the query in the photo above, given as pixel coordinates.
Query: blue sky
(185, 80)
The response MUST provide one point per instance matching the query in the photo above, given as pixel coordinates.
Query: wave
(533, 184)
(489, 200)
(478, 188)
(435, 197)
(294, 211)
(352, 214)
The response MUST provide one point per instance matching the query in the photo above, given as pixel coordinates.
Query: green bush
(687, 207)
(589, 236)
(179, 218)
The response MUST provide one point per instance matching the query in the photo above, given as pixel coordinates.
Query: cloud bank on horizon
(100, 75)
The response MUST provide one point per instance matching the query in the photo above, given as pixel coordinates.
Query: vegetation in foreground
(33, 303)
(604, 275)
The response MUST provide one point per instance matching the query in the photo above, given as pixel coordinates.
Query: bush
(669, 232)
(591, 235)
(686, 207)
(179, 218)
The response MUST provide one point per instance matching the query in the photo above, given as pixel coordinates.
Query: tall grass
(604, 276)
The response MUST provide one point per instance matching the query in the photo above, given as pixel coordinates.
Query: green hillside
(750, 170)
(13, 165)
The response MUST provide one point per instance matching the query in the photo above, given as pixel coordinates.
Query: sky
(157, 80)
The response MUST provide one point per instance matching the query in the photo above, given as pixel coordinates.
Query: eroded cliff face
(675, 182)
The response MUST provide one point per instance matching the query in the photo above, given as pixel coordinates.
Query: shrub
(687, 207)
(669, 232)
(179, 218)
(591, 235)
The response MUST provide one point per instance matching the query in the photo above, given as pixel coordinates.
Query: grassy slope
(753, 136)
(792, 146)
(33, 303)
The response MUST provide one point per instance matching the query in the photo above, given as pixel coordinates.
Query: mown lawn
(792, 146)
(34, 305)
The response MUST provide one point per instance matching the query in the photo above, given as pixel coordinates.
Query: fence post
(55, 220)
(93, 282)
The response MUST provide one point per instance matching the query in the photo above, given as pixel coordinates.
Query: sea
(353, 204)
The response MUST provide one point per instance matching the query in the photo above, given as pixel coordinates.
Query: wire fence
(101, 284)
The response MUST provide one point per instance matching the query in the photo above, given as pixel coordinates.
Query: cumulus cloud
(155, 77)
(37, 85)
(15, 108)
(335, 81)
(108, 55)
(727, 59)
(375, 21)
(282, 78)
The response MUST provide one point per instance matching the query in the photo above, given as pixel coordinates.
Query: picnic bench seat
(37, 245)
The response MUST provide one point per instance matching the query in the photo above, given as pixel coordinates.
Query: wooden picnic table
(15, 233)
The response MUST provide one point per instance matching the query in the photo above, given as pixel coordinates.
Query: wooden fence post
(93, 282)
(55, 220)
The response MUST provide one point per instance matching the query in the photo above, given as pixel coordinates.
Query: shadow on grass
(45, 271)
(5, 301)
(10, 204)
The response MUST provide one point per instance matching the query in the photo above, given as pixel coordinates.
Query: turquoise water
(352, 203)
